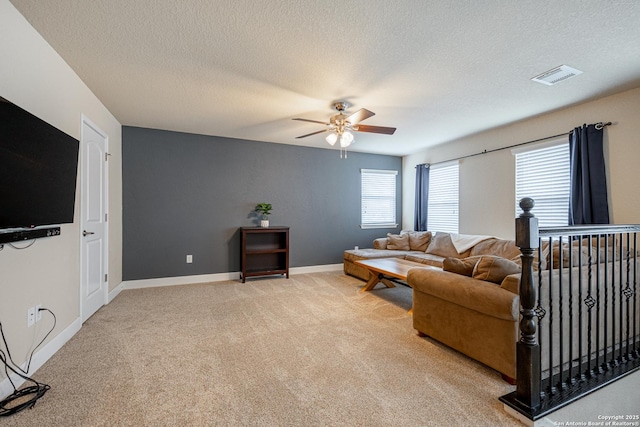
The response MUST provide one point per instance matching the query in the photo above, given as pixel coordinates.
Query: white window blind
(442, 207)
(378, 198)
(543, 174)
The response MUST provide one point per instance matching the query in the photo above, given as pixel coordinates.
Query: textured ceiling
(436, 70)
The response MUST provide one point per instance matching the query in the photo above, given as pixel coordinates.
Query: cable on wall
(13, 245)
(27, 396)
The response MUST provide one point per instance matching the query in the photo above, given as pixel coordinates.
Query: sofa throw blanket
(464, 242)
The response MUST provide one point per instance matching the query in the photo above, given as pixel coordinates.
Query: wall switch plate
(38, 313)
(189, 259)
(31, 316)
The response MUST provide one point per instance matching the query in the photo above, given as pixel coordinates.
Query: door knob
(86, 233)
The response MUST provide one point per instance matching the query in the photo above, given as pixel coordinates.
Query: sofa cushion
(423, 258)
(494, 269)
(357, 255)
(441, 245)
(398, 242)
(499, 247)
(419, 240)
(462, 266)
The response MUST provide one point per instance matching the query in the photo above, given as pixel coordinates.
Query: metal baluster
(590, 303)
(635, 292)
(580, 326)
(614, 360)
(572, 376)
(552, 388)
(621, 357)
(627, 294)
(597, 365)
(605, 364)
(561, 380)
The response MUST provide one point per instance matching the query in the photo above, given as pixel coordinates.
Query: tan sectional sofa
(438, 247)
(476, 317)
(473, 304)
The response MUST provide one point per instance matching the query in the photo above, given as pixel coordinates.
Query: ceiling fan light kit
(346, 139)
(341, 126)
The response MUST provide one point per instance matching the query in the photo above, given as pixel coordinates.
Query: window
(378, 198)
(542, 173)
(442, 210)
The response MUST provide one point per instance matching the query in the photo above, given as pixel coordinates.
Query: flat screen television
(38, 171)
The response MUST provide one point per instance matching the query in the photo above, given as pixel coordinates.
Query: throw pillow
(419, 240)
(442, 245)
(398, 242)
(462, 266)
(494, 269)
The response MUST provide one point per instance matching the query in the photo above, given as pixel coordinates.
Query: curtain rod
(598, 125)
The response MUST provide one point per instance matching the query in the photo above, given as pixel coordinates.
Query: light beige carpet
(308, 351)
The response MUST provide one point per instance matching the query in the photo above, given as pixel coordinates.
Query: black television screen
(38, 170)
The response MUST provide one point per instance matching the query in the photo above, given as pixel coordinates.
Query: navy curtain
(588, 202)
(422, 197)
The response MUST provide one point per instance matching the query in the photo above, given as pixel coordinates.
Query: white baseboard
(41, 356)
(114, 293)
(181, 280)
(206, 278)
(316, 268)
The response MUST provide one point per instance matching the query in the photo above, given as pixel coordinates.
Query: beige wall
(487, 183)
(34, 76)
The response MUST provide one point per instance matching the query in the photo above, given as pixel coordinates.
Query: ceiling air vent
(556, 75)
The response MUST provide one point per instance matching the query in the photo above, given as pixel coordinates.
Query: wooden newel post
(527, 349)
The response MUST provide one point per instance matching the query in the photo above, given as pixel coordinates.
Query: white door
(93, 220)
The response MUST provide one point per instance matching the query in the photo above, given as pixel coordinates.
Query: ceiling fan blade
(375, 129)
(312, 133)
(311, 121)
(360, 115)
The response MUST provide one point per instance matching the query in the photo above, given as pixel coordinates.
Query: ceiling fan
(340, 126)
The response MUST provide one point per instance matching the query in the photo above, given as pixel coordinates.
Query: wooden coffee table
(390, 267)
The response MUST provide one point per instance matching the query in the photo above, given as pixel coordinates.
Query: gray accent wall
(186, 194)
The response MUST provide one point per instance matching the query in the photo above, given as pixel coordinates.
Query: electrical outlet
(38, 313)
(189, 259)
(31, 316)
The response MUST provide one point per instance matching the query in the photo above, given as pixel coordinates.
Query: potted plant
(264, 209)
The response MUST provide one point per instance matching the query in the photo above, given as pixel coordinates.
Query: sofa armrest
(512, 283)
(380, 243)
(484, 297)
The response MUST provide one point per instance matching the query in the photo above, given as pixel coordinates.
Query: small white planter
(264, 223)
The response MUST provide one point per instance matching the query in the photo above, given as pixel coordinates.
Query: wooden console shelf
(265, 251)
